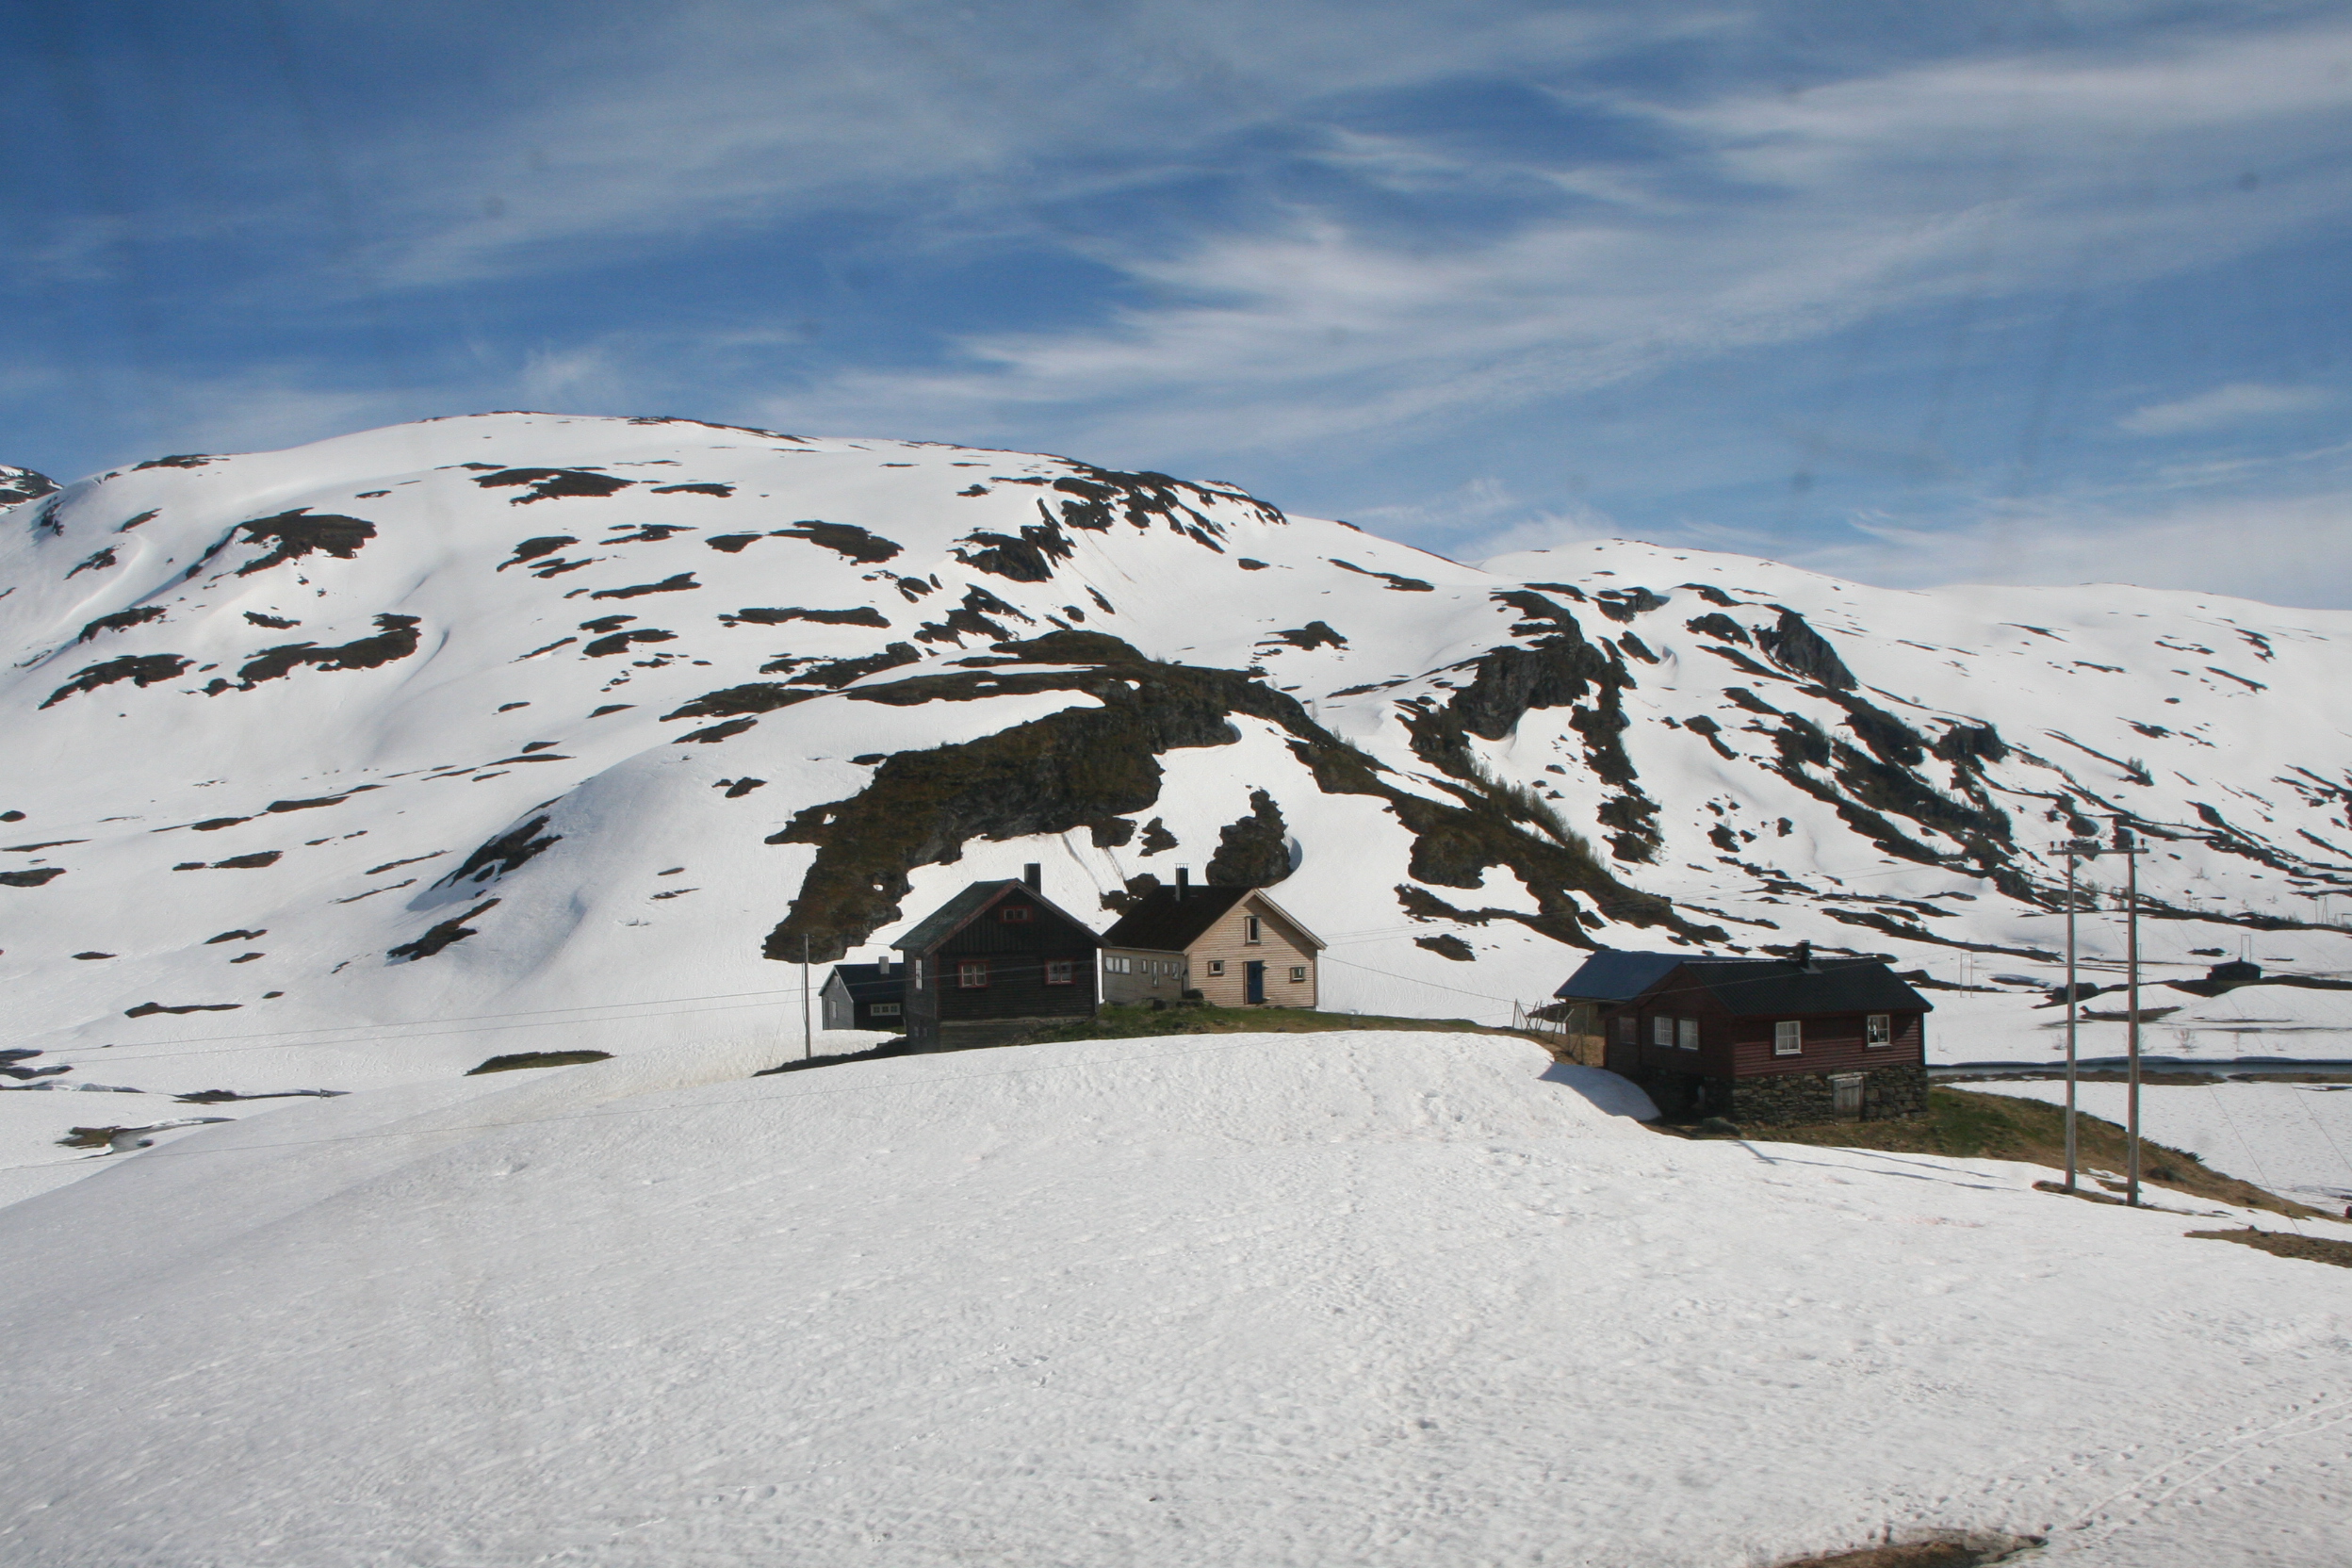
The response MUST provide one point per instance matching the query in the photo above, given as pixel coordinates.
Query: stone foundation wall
(1783, 1099)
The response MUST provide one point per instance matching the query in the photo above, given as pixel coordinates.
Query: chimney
(883, 969)
(1803, 955)
(1034, 874)
(1183, 880)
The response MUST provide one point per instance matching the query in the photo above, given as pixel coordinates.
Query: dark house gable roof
(1748, 988)
(1161, 922)
(867, 983)
(968, 905)
(1614, 976)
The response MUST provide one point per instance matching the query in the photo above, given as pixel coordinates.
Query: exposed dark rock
(973, 618)
(1965, 743)
(1253, 852)
(1712, 596)
(248, 936)
(1622, 604)
(718, 732)
(1027, 559)
(738, 788)
(861, 615)
(652, 533)
(441, 935)
(1249, 565)
(148, 517)
(1796, 647)
(149, 1009)
(532, 549)
(704, 488)
(180, 460)
(612, 708)
(33, 878)
(501, 854)
(249, 863)
(1717, 624)
(1888, 737)
(1703, 726)
(1636, 647)
(847, 538)
(143, 669)
(98, 561)
(396, 638)
(1111, 832)
(733, 543)
(1402, 585)
(121, 619)
(759, 696)
(23, 485)
(1447, 945)
(676, 584)
(275, 623)
(840, 672)
(604, 648)
(552, 483)
(300, 531)
(1156, 838)
(1314, 634)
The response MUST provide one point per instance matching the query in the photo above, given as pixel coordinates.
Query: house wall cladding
(1279, 948)
(1141, 983)
(943, 1011)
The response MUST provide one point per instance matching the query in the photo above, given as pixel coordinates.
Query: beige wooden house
(1234, 945)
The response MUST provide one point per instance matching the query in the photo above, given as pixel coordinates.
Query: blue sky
(2034, 292)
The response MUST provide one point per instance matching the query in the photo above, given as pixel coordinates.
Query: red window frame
(971, 974)
(1061, 971)
(1016, 914)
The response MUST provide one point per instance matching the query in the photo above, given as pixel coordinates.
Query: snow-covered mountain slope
(1381, 1299)
(362, 761)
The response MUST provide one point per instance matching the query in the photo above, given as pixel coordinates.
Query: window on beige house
(1250, 928)
(1217, 966)
(1297, 973)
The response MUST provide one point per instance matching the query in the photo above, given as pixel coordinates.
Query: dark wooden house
(993, 962)
(1765, 1040)
(866, 996)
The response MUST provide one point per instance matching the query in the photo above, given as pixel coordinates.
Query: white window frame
(1788, 1037)
(884, 1009)
(1298, 975)
(1662, 1032)
(964, 967)
(1878, 1031)
(1686, 1033)
(1249, 934)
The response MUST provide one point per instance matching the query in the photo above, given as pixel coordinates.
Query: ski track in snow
(1277, 1299)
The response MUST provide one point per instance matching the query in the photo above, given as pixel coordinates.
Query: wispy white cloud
(2239, 403)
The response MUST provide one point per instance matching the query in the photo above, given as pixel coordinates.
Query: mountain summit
(522, 715)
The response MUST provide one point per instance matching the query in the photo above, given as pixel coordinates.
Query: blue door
(1255, 983)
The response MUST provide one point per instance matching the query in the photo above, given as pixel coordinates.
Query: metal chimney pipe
(1034, 874)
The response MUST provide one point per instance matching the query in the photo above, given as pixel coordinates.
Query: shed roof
(961, 910)
(1614, 974)
(867, 983)
(1748, 986)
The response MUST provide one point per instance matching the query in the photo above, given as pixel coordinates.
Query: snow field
(1361, 1298)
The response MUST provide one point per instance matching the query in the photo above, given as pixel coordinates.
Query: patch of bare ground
(2316, 1248)
(1970, 1550)
(1968, 1125)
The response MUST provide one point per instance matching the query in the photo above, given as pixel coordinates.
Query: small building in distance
(1762, 1040)
(1234, 945)
(865, 996)
(994, 962)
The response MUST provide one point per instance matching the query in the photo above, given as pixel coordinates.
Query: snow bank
(1355, 1298)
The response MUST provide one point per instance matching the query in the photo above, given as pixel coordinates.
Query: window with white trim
(1061, 971)
(1117, 964)
(1878, 1030)
(1788, 1037)
(1662, 1032)
(1250, 928)
(1686, 1033)
(884, 1009)
(1298, 975)
(1217, 966)
(971, 974)
(1015, 914)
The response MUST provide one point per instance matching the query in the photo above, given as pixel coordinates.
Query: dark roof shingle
(1747, 987)
(1161, 922)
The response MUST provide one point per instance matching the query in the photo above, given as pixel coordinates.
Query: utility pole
(2130, 853)
(2074, 848)
(808, 1036)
